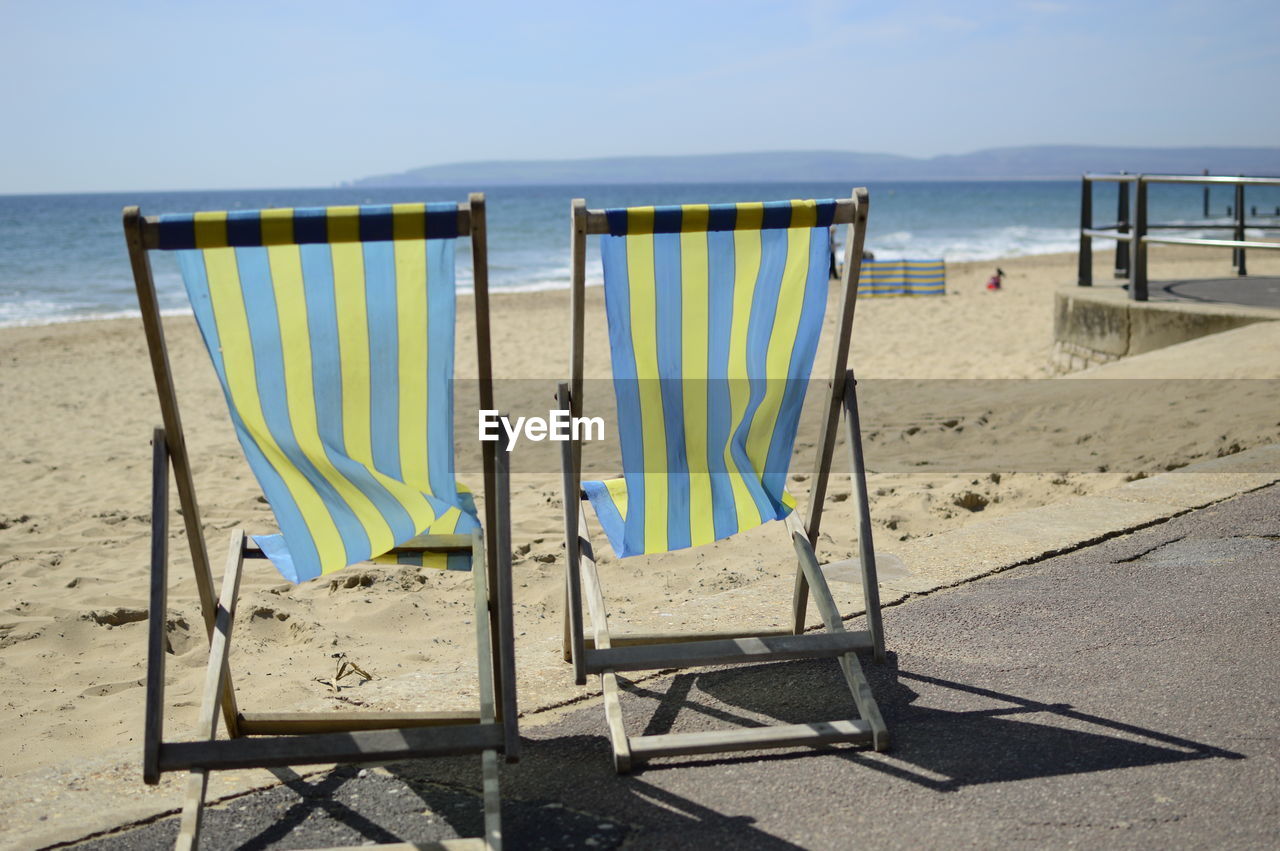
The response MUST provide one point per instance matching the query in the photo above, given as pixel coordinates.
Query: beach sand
(79, 405)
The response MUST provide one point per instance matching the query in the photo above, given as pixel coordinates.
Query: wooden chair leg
(849, 665)
(192, 810)
(157, 638)
(866, 548)
(617, 730)
(608, 679)
(492, 801)
(215, 681)
(572, 539)
(488, 710)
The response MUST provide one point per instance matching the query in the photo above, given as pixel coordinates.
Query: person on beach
(993, 283)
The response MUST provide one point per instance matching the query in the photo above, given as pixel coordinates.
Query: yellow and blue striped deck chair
(331, 331)
(903, 277)
(714, 315)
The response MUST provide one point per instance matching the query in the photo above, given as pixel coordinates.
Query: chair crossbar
(769, 648)
(301, 723)
(751, 738)
(422, 543)
(149, 226)
(442, 845)
(362, 746)
(597, 221)
(631, 639)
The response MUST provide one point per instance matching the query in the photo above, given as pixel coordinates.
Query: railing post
(1138, 266)
(1122, 227)
(1237, 254)
(1205, 172)
(1084, 276)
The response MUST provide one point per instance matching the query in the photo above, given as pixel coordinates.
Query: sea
(63, 258)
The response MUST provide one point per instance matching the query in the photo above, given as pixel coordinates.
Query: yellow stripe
(343, 223)
(644, 340)
(408, 221)
(211, 231)
(277, 226)
(804, 214)
(411, 317)
(242, 383)
(782, 342)
(353, 349)
(618, 493)
(746, 264)
(295, 343)
(695, 285)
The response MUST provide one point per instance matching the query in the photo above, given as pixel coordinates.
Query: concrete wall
(1095, 325)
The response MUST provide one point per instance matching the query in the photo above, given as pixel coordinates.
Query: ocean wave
(16, 319)
(979, 244)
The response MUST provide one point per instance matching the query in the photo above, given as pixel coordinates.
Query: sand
(79, 405)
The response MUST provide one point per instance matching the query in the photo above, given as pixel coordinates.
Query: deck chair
(714, 316)
(903, 277)
(332, 333)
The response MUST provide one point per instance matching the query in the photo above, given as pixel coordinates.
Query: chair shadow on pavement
(563, 794)
(947, 735)
(958, 735)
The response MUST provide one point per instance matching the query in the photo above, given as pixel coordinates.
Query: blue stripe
(442, 220)
(801, 365)
(177, 232)
(606, 510)
(273, 486)
(326, 377)
(722, 217)
(667, 219)
(310, 225)
(375, 223)
(617, 219)
(268, 361)
(777, 214)
(275, 549)
(720, 270)
(384, 356)
(440, 318)
(826, 213)
(244, 227)
(669, 321)
(617, 294)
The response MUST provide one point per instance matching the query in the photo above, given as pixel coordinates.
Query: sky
(139, 95)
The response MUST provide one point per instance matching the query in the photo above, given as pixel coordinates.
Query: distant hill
(1045, 162)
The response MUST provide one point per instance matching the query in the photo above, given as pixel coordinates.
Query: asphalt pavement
(1123, 695)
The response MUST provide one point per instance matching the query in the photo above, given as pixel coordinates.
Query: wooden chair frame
(271, 739)
(606, 654)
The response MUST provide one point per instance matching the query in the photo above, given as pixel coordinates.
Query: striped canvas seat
(714, 317)
(332, 333)
(903, 277)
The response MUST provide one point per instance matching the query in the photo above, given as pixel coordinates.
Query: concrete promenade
(1250, 292)
(1121, 695)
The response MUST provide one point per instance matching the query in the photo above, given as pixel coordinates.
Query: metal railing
(1131, 230)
